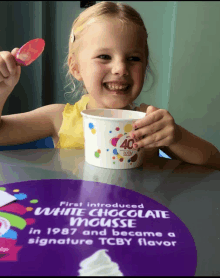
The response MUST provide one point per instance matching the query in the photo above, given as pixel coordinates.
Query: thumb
(14, 51)
(151, 109)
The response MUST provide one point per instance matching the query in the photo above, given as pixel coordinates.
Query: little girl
(108, 53)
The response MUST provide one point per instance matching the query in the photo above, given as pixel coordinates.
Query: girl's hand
(10, 72)
(157, 128)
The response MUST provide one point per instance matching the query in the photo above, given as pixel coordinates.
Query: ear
(74, 68)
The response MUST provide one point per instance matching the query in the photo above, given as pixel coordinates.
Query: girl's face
(124, 60)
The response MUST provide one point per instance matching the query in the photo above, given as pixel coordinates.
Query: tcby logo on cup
(107, 140)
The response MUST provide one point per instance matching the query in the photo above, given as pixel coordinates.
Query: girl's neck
(128, 107)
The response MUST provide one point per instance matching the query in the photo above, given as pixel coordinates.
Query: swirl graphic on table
(8, 236)
(99, 264)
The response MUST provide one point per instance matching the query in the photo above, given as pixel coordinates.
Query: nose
(120, 67)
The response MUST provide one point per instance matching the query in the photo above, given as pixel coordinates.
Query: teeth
(116, 87)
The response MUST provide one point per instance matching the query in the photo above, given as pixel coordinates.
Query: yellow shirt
(71, 133)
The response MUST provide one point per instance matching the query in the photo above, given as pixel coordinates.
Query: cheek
(138, 74)
(99, 73)
(98, 68)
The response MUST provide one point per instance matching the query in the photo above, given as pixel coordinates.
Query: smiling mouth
(118, 92)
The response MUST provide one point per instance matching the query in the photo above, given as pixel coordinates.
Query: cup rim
(86, 111)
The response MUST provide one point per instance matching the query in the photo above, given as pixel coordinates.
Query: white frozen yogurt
(99, 264)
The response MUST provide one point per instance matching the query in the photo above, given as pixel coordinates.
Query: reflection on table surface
(192, 192)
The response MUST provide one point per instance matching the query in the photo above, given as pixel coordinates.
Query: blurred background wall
(184, 47)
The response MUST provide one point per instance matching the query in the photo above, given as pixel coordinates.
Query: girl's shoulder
(56, 116)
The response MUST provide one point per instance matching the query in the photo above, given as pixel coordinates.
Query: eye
(103, 56)
(109, 56)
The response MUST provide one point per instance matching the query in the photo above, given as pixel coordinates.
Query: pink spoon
(29, 52)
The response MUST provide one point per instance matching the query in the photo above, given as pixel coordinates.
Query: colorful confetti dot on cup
(91, 125)
(128, 128)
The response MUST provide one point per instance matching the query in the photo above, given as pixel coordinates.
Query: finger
(14, 51)
(151, 109)
(3, 67)
(148, 129)
(155, 140)
(149, 119)
(158, 135)
(12, 64)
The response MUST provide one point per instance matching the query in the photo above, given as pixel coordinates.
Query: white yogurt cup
(107, 140)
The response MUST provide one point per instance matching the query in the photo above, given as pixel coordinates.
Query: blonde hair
(123, 12)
